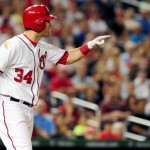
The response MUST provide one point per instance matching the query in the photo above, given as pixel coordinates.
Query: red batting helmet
(34, 17)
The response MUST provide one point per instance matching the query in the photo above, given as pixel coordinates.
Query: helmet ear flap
(40, 24)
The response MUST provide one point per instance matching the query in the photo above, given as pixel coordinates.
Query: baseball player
(22, 62)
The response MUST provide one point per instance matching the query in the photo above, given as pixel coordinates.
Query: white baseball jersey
(22, 65)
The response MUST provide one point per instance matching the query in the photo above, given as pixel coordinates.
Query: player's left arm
(78, 53)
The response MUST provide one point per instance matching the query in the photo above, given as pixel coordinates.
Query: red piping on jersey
(38, 74)
(34, 43)
(7, 126)
(1, 71)
(34, 67)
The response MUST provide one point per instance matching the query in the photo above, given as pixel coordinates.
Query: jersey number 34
(20, 76)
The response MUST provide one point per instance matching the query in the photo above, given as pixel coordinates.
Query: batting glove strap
(85, 49)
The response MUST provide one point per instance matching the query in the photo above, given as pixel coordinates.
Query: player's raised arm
(78, 53)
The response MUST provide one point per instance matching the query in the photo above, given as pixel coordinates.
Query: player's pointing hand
(97, 42)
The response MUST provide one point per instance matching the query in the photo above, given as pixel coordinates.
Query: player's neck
(33, 36)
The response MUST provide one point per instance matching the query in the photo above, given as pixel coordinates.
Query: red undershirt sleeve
(63, 59)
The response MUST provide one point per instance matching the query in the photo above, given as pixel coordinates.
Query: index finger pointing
(103, 37)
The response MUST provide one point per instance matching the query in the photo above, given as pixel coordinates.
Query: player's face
(47, 31)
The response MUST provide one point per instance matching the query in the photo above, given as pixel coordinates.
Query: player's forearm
(78, 53)
(74, 56)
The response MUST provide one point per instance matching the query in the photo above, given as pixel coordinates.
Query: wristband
(84, 49)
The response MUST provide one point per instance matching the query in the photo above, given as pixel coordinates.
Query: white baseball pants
(16, 125)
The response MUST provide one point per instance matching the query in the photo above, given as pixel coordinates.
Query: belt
(20, 101)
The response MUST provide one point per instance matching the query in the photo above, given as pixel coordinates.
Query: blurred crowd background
(116, 77)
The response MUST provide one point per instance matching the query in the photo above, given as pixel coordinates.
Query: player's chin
(47, 34)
